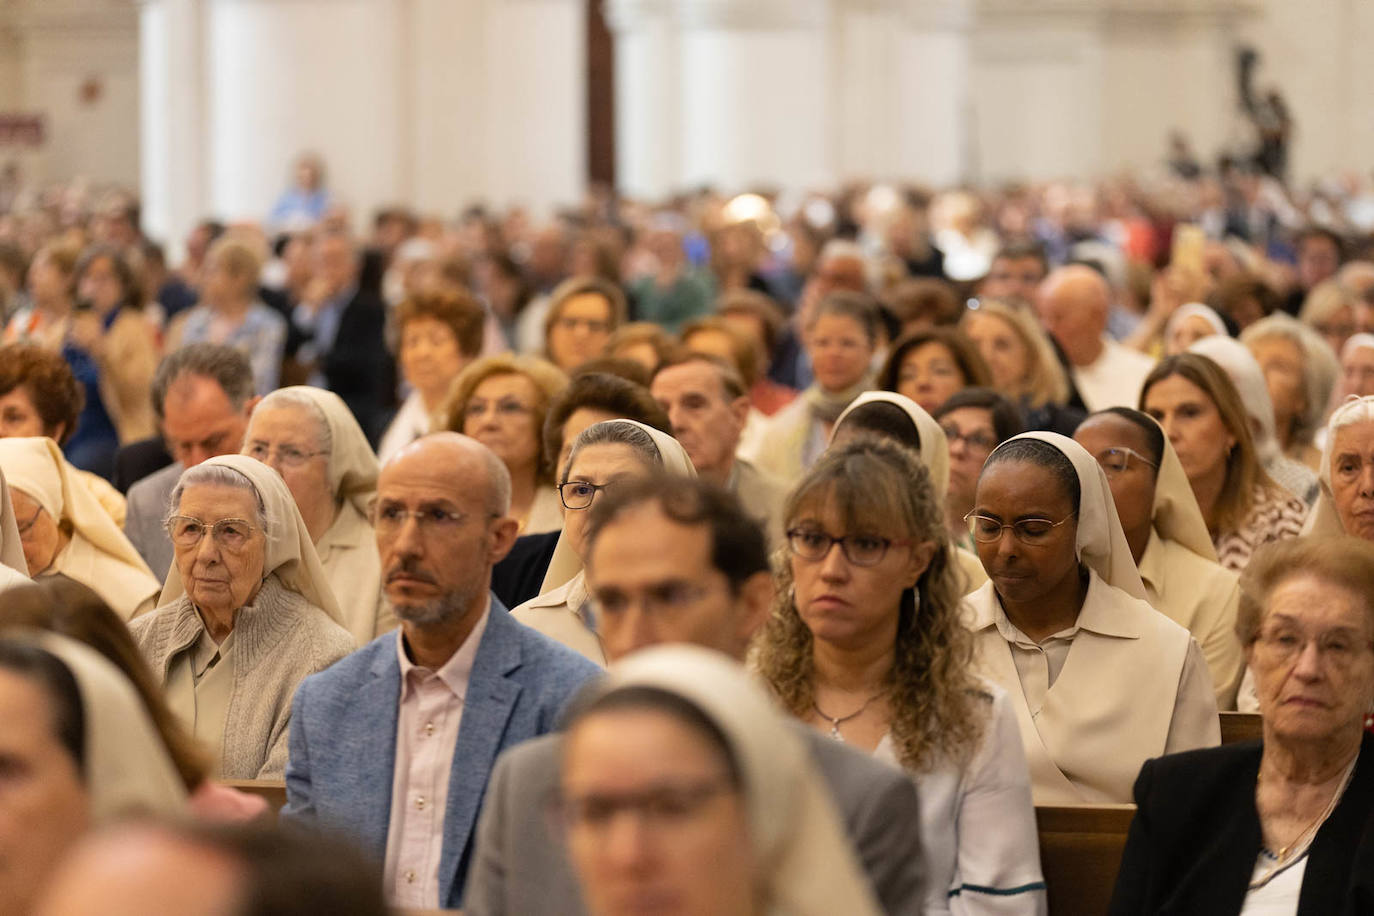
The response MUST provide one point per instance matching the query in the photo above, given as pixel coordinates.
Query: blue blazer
(343, 736)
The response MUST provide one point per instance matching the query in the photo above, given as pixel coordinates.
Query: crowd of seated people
(649, 559)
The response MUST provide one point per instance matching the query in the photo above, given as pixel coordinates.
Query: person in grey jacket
(679, 563)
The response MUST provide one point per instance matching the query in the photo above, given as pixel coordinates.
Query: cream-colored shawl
(348, 550)
(934, 454)
(1176, 514)
(98, 555)
(290, 555)
(934, 450)
(807, 864)
(1101, 543)
(13, 568)
(1324, 520)
(565, 563)
(128, 769)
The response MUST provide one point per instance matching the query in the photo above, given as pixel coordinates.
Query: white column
(534, 128)
(172, 119)
(290, 75)
(448, 89)
(758, 94)
(648, 96)
(934, 106)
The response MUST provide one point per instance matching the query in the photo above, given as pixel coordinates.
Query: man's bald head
(1073, 303)
(469, 464)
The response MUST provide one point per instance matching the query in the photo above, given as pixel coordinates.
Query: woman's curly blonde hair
(937, 706)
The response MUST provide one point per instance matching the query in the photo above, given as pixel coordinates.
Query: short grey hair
(217, 475)
(225, 365)
(1320, 368)
(285, 397)
(615, 432)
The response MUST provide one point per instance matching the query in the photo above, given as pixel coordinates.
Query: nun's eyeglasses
(229, 533)
(1032, 531)
(1117, 460)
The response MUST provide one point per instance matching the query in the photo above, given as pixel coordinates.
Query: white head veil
(807, 864)
(1195, 310)
(11, 548)
(565, 563)
(934, 445)
(1245, 373)
(1101, 543)
(290, 554)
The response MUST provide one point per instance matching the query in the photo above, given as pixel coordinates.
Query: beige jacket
(1134, 687)
(279, 639)
(554, 614)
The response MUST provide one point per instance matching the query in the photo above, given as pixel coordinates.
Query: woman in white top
(602, 455)
(865, 644)
(1099, 680)
(64, 529)
(1168, 538)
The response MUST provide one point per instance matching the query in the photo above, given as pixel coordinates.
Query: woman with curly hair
(865, 644)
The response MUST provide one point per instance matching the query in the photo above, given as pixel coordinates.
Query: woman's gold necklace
(835, 723)
(1300, 843)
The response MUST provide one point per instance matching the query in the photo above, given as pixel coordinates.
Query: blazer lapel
(1327, 883)
(487, 708)
(371, 729)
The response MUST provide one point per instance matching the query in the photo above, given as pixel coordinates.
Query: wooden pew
(272, 791)
(1080, 854)
(1241, 726)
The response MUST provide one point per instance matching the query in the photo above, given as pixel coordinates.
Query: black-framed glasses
(1117, 460)
(229, 533)
(578, 494)
(1031, 531)
(979, 439)
(859, 549)
(33, 519)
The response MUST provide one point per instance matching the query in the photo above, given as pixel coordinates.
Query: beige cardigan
(279, 639)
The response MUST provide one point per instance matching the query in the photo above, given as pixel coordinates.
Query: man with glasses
(672, 560)
(202, 396)
(392, 746)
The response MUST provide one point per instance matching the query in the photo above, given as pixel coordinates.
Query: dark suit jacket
(359, 367)
(521, 867)
(1196, 836)
(343, 736)
(517, 578)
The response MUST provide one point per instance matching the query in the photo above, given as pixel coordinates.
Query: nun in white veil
(1114, 683)
(561, 611)
(929, 442)
(13, 569)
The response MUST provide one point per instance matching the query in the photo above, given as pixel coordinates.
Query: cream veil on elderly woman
(897, 417)
(13, 568)
(729, 815)
(1168, 537)
(64, 530)
(309, 436)
(602, 455)
(246, 615)
(80, 751)
(1100, 681)
(1285, 825)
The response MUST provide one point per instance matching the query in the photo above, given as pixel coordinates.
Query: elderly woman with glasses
(866, 645)
(309, 437)
(1168, 538)
(1284, 825)
(603, 455)
(1099, 680)
(246, 615)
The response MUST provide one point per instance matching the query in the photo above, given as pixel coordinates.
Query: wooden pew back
(1080, 854)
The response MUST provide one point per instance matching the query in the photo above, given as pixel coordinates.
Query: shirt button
(429, 729)
(420, 803)
(410, 877)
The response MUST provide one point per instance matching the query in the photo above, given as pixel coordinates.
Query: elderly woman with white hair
(309, 436)
(1189, 324)
(1357, 368)
(1301, 371)
(246, 614)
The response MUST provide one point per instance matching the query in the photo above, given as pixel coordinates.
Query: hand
(87, 334)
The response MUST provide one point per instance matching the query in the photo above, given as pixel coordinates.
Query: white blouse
(1280, 896)
(978, 830)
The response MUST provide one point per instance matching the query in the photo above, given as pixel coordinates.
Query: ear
(503, 534)
(251, 403)
(739, 410)
(754, 602)
(921, 555)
